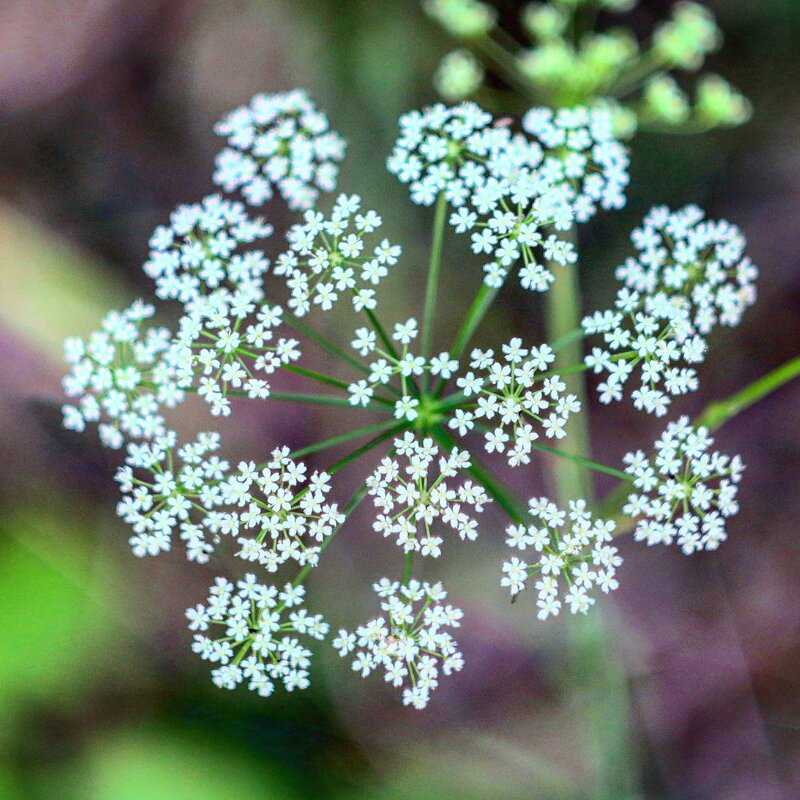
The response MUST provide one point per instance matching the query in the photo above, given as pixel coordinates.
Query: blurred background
(685, 685)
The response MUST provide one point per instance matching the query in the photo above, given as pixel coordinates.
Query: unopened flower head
(684, 492)
(685, 40)
(251, 631)
(409, 643)
(416, 494)
(462, 18)
(460, 74)
(329, 257)
(279, 141)
(571, 557)
(514, 398)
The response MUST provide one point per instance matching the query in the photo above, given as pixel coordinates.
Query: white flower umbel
(581, 157)
(279, 141)
(689, 275)
(415, 491)
(116, 380)
(515, 395)
(571, 557)
(444, 149)
(163, 491)
(228, 349)
(246, 630)
(329, 256)
(197, 253)
(493, 182)
(276, 513)
(409, 643)
(697, 262)
(685, 493)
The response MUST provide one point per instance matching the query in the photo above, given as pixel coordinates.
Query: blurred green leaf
(53, 613)
(56, 290)
(9, 788)
(156, 763)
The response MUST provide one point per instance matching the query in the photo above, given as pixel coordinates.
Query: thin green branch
(316, 376)
(343, 438)
(510, 504)
(582, 461)
(323, 400)
(714, 416)
(563, 316)
(720, 411)
(477, 311)
(382, 335)
(365, 448)
(325, 343)
(407, 565)
(347, 510)
(432, 286)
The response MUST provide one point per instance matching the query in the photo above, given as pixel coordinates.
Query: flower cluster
(196, 254)
(328, 256)
(685, 493)
(512, 394)
(279, 141)
(117, 380)
(279, 512)
(582, 157)
(255, 643)
(411, 496)
(573, 555)
(495, 183)
(172, 488)
(410, 643)
(230, 356)
(689, 275)
(516, 194)
(597, 67)
(392, 363)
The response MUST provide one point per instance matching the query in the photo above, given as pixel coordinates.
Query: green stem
(316, 376)
(596, 667)
(506, 65)
(323, 400)
(583, 462)
(347, 510)
(382, 335)
(342, 438)
(510, 504)
(432, 287)
(568, 338)
(409, 562)
(563, 316)
(719, 412)
(325, 343)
